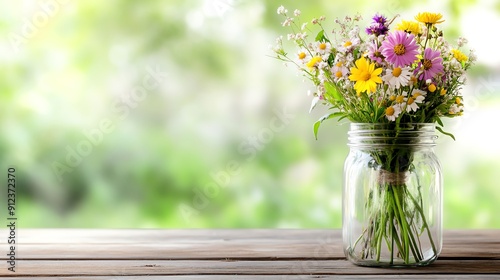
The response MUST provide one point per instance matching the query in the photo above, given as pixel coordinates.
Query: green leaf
(445, 133)
(321, 36)
(316, 127)
(333, 92)
(439, 121)
(326, 117)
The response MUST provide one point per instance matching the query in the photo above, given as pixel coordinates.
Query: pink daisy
(374, 53)
(431, 65)
(399, 48)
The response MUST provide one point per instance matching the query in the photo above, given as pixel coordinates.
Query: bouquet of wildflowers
(390, 72)
(405, 74)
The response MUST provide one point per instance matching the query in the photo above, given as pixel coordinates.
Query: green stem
(404, 226)
(424, 221)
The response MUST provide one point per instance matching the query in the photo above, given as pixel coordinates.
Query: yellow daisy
(365, 75)
(412, 27)
(458, 55)
(315, 60)
(429, 18)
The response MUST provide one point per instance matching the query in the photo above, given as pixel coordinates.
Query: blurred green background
(172, 114)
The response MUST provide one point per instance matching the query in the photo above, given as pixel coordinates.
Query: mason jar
(392, 195)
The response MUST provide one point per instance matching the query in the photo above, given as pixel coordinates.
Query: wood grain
(102, 254)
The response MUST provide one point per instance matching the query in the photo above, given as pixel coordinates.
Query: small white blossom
(287, 22)
(461, 41)
(303, 26)
(281, 10)
(472, 56)
(290, 36)
(455, 109)
(323, 65)
(354, 32)
(296, 12)
(300, 36)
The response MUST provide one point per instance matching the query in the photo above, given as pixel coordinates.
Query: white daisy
(418, 95)
(413, 101)
(339, 71)
(303, 56)
(392, 112)
(397, 77)
(455, 109)
(323, 49)
(349, 44)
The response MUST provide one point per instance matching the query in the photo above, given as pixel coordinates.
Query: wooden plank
(112, 236)
(220, 244)
(272, 277)
(279, 267)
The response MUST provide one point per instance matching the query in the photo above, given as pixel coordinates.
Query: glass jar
(392, 195)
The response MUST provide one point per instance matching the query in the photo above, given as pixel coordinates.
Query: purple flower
(399, 48)
(379, 19)
(430, 65)
(378, 26)
(377, 29)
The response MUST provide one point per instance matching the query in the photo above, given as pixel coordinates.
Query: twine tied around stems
(392, 178)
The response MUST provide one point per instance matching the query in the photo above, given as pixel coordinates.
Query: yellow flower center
(338, 74)
(399, 49)
(396, 72)
(347, 44)
(427, 64)
(443, 92)
(389, 111)
(302, 55)
(432, 88)
(410, 101)
(339, 64)
(392, 97)
(400, 99)
(413, 79)
(458, 100)
(322, 46)
(416, 94)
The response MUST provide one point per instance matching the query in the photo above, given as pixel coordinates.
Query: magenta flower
(399, 48)
(431, 64)
(374, 53)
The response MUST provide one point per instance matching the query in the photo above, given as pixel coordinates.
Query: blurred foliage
(209, 146)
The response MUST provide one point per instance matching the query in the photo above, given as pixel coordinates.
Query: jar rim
(371, 135)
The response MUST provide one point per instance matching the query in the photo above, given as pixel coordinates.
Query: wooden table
(227, 254)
